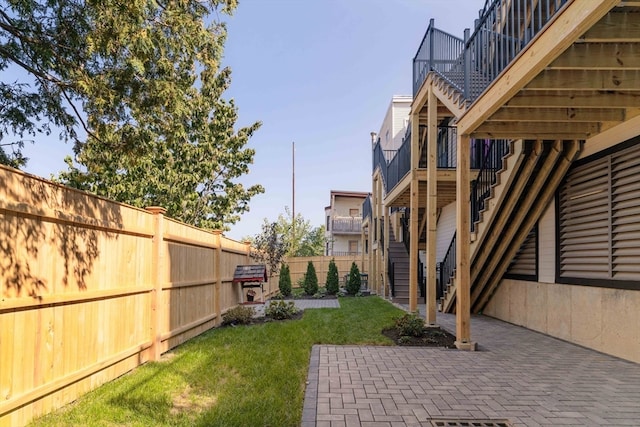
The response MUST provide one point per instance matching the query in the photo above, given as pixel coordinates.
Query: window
(599, 221)
(354, 212)
(328, 219)
(353, 247)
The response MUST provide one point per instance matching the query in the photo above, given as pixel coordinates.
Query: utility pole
(293, 193)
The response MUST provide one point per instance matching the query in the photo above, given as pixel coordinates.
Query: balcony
(504, 29)
(346, 225)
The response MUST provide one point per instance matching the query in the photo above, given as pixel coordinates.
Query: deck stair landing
(525, 195)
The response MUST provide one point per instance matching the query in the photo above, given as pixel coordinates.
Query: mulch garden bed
(431, 337)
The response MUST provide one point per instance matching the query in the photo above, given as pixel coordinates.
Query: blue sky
(320, 73)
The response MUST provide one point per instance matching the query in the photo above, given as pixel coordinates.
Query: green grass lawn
(233, 376)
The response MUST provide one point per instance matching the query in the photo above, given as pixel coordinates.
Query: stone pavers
(525, 377)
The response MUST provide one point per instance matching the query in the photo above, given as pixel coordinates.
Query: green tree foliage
(310, 280)
(333, 279)
(306, 240)
(269, 247)
(144, 80)
(284, 283)
(353, 285)
(42, 45)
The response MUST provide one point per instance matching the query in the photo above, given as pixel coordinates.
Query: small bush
(410, 325)
(284, 283)
(310, 280)
(239, 315)
(277, 296)
(353, 285)
(281, 310)
(333, 279)
(322, 292)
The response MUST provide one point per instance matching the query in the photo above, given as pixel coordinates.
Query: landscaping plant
(280, 310)
(332, 285)
(410, 325)
(284, 283)
(310, 280)
(353, 285)
(238, 315)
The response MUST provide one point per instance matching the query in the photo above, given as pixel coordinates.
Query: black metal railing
(367, 211)
(399, 166)
(422, 283)
(492, 153)
(392, 276)
(504, 29)
(439, 51)
(447, 266)
(379, 161)
(404, 223)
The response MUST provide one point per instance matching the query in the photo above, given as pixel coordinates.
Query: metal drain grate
(470, 423)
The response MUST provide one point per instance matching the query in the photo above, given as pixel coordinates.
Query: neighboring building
(519, 175)
(344, 223)
(386, 144)
(394, 125)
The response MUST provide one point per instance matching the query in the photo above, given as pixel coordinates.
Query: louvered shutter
(625, 211)
(584, 222)
(599, 221)
(524, 264)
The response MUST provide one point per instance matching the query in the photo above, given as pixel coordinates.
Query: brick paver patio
(517, 375)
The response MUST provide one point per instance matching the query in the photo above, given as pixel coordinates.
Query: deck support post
(463, 240)
(432, 203)
(414, 238)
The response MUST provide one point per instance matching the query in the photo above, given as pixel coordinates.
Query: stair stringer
(518, 164)
(481, 295)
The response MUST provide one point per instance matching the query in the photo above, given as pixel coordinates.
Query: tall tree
(42, 47)
(144, 79)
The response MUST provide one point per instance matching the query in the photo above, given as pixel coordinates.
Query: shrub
(238, 315)
(410, 325)
(284, 283)
(310, 280)
(281, 310)
(353, 285)
(333, 279)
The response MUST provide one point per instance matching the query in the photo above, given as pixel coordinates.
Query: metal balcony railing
(439, 51)
(346, 224)
(367, 212)
(504, 29)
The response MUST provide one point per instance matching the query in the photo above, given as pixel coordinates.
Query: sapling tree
(333, 280)
(310, 280)
(354, 283)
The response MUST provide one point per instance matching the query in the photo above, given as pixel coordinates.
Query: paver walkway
(518, 375)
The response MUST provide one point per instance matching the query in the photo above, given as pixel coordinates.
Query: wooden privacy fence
(298, 266)
(90, 289)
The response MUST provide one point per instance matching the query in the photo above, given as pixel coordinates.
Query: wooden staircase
(532, 174)
(400, 258)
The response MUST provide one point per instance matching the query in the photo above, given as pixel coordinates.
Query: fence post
(158, 268)
(217, 275)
